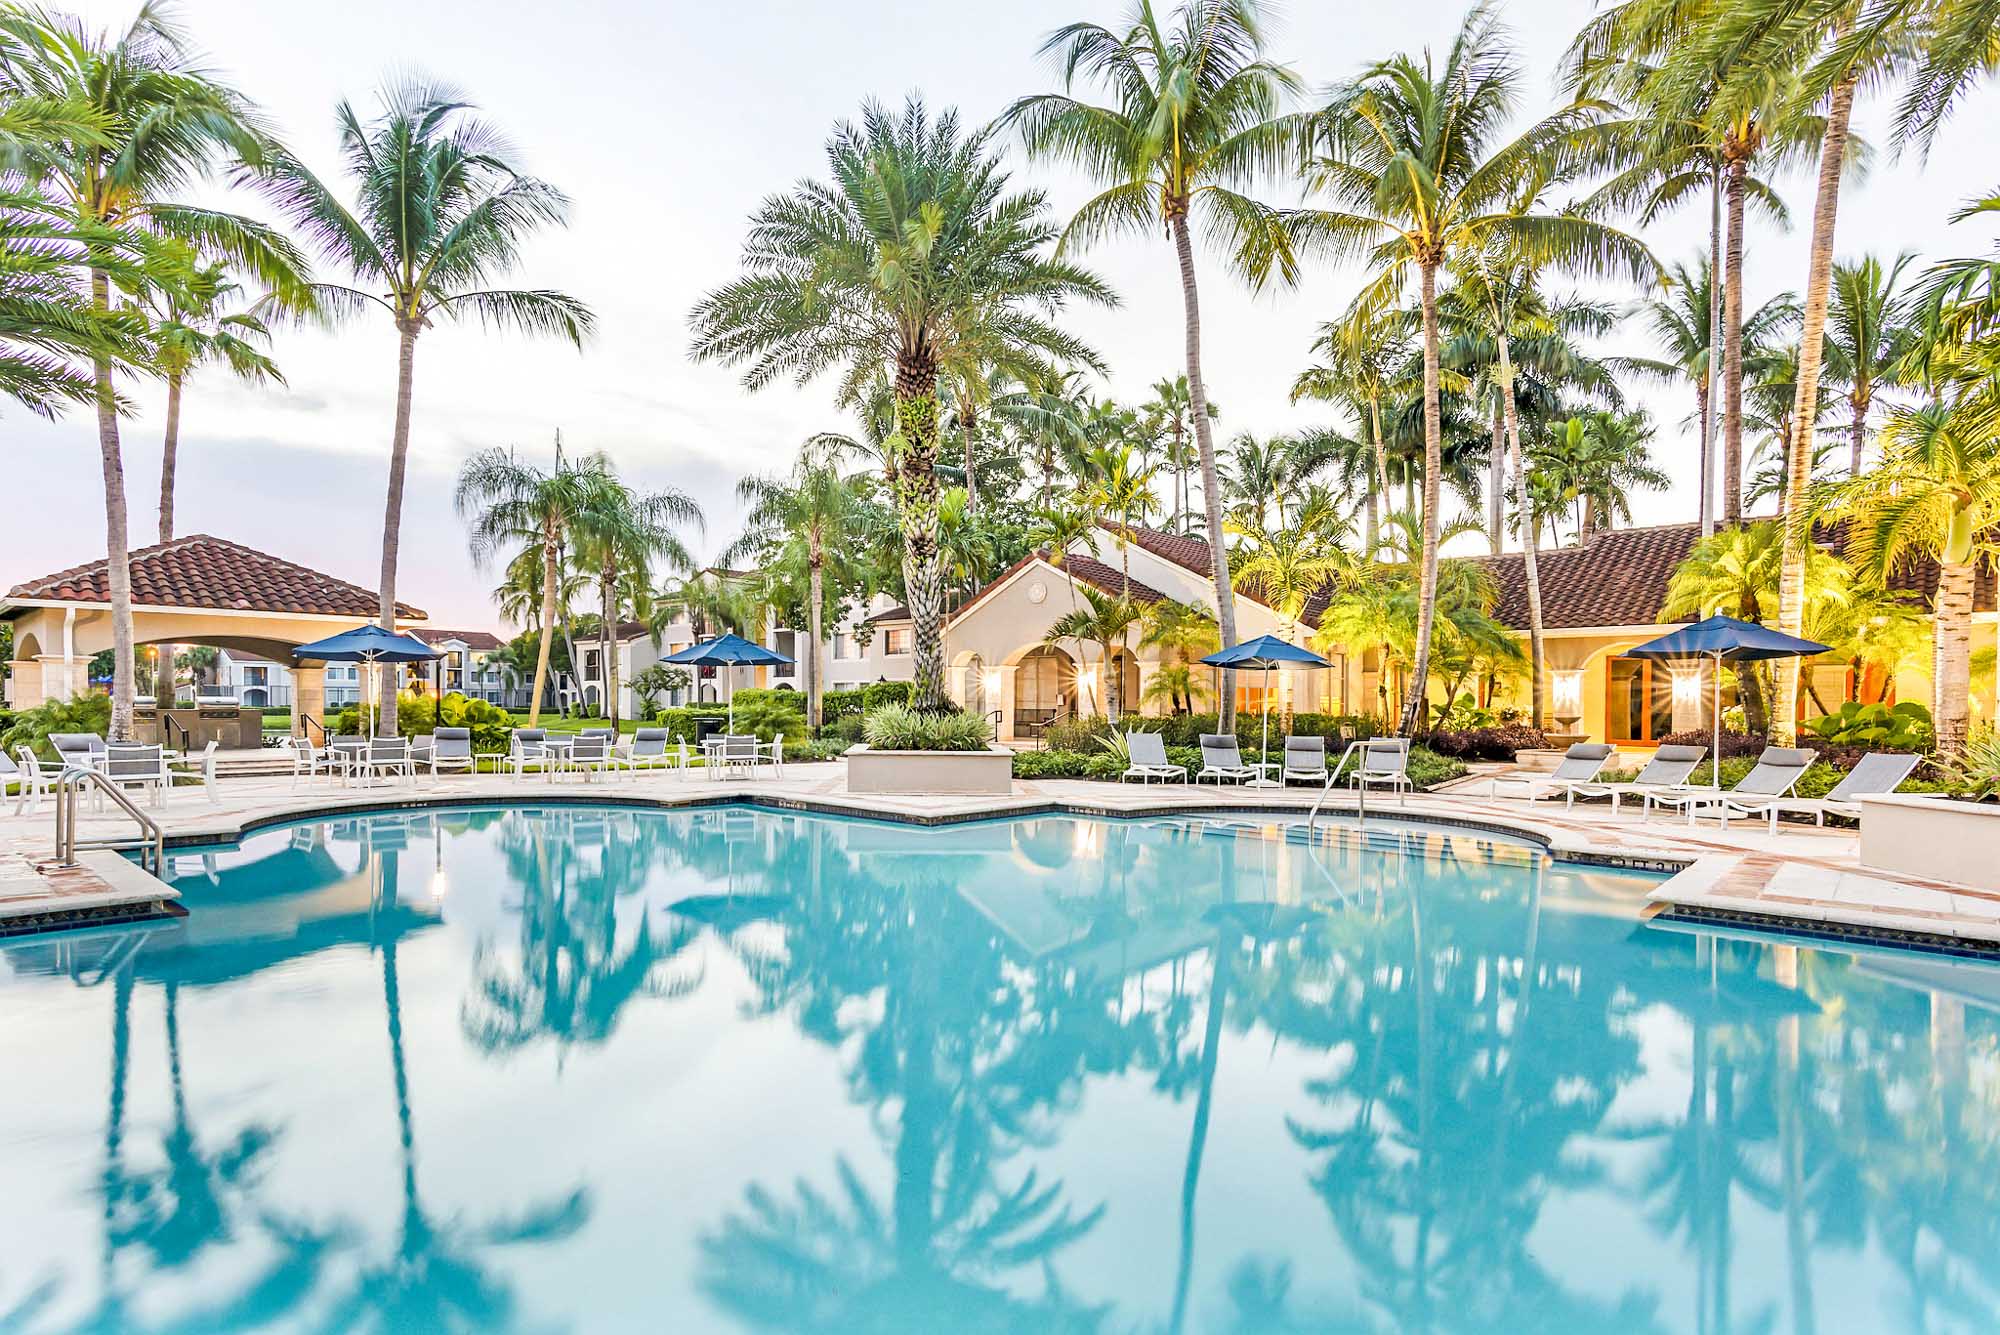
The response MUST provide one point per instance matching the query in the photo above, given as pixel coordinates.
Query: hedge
(679, 722)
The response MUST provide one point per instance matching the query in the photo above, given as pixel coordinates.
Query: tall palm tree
(621, 535)
(1407, 159)
(802, 520)
(1284, 568)
(1358, 357)
(1171, 414)
(1934, 494)
(1119, 483)
(1869, 321)
(507, 503)
(157, 122)
(1255, 474)
(1193, 121)
(1834, 48)
(194, 328)
(911, 257)
(1596, 461)
(440, 211)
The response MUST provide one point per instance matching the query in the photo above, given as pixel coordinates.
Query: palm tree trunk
(1951, 666)
(117, 551)
(1705, 386)
(170, 448)
(916, 493)
(1413, 702)
(815, 591)
(968, 419)
(548, 626)
(607, 641)
(1496, 480)
(1537, 655)
(1812, 335)
(392, 509)
(1211, 490)
(1859, 401)
(1732, 352)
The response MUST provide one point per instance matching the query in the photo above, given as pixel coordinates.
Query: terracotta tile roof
(1190, 553)
(896, 613)
(1109, 579)
(472, 639)
(200, 571)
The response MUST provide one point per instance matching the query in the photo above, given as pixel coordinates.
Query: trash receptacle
(706, 727)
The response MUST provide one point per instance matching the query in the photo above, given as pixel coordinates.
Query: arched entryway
(1044, 689)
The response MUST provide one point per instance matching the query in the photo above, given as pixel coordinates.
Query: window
(786, 643)
(844, 646)
(896, 640)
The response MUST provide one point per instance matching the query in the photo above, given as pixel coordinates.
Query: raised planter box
(911, 773)
(1933, 837)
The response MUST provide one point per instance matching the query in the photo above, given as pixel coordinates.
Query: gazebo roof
(201, 572)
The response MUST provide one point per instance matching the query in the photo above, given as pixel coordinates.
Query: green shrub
(1899, 727)
(896, 728)
(1076, 734)
(490, 723)
(1979, 771)
(90, 712)
(679, 722)
(879, 693)
(795, 701)
(841, 704)
(767, 718)
(846, 730)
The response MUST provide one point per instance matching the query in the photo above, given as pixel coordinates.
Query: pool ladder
(151, 840)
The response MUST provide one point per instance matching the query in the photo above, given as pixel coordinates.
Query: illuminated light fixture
(994, 681)
(1566, 690)
(1687, 685)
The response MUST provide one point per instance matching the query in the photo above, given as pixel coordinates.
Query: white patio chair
(1305, 759)
(144, 767)
(1777, 771)
(1874, 774)
(1385, 763)
(738, 752)
(1582, 763)
(200, 765)
(307, 759)
(387, 755)
(591, 754)
(32, 776)
(650, 749)
(1222, 759)
(528, 748)
(1148, 752)
(450, 749)
(84, 750)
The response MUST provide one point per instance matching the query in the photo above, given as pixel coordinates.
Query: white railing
(151, 843)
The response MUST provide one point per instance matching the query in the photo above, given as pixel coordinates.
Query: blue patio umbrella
(371, 645)
(1266, 652)
(1725, 640)
(727, 651)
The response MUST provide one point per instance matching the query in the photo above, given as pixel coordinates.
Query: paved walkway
(1803, 876)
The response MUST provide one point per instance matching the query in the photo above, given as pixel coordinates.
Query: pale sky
(666, 124)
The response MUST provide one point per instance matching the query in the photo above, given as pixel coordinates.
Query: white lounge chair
(1777, 771)
(1305, 759)
(198, 765)
(1876, 773)
(1385, 763)
(447, 749)
(1148, 752)
(528, 749)
(650, 749)
(1668, 771)
(1582, 763)
(1222, 759)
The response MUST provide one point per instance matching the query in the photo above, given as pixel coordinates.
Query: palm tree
(1170, 413)
(1188, 633)
(620, 534)
(803, 520)
(148, 122)
(1255, 474)
(506, 502)
(1733, 571)
(1193, 120)
(1406, 157)
(1104, 620)
(913, 257)
(1119, 484)
(1595, 462)
(1870, 324)
(1934, 494)
(1358, 358)
(1286, 567)
(440, 211)
(194, 329)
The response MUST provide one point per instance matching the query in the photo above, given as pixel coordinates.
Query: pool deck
(1803, 879)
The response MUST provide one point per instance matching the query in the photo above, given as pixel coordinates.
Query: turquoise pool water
(732, 1070)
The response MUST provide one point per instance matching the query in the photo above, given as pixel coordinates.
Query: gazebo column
(1003, 698)
(308, 697)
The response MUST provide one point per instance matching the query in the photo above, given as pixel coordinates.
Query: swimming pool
(734, 1069)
